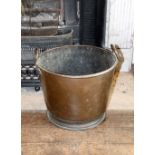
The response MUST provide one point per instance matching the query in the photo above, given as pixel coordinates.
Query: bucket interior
(76, 60)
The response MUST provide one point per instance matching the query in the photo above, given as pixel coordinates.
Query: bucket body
(76, 82)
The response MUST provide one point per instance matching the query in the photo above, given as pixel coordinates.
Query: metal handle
(116, 49)
(37, 53)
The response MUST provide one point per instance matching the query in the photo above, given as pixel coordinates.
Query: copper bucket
(76, 82)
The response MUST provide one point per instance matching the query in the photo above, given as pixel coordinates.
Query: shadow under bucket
(76, 83)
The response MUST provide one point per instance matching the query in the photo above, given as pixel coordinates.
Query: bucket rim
(78, 76)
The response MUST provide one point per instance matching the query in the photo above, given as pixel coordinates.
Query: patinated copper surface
(77, 98)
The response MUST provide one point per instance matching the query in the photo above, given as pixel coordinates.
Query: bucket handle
(117, 51)
(37, 52)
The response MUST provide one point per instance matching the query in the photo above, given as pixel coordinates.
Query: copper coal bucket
(76, 82)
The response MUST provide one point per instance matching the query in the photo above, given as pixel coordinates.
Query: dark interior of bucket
(76, 60)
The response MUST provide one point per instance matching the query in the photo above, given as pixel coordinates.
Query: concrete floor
(122, 97)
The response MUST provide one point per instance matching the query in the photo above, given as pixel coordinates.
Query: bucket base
(76, 127)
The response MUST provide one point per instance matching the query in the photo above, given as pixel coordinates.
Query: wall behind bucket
(119, 28)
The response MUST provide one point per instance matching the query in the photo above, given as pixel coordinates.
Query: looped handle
(37, 53)
(116, 49)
